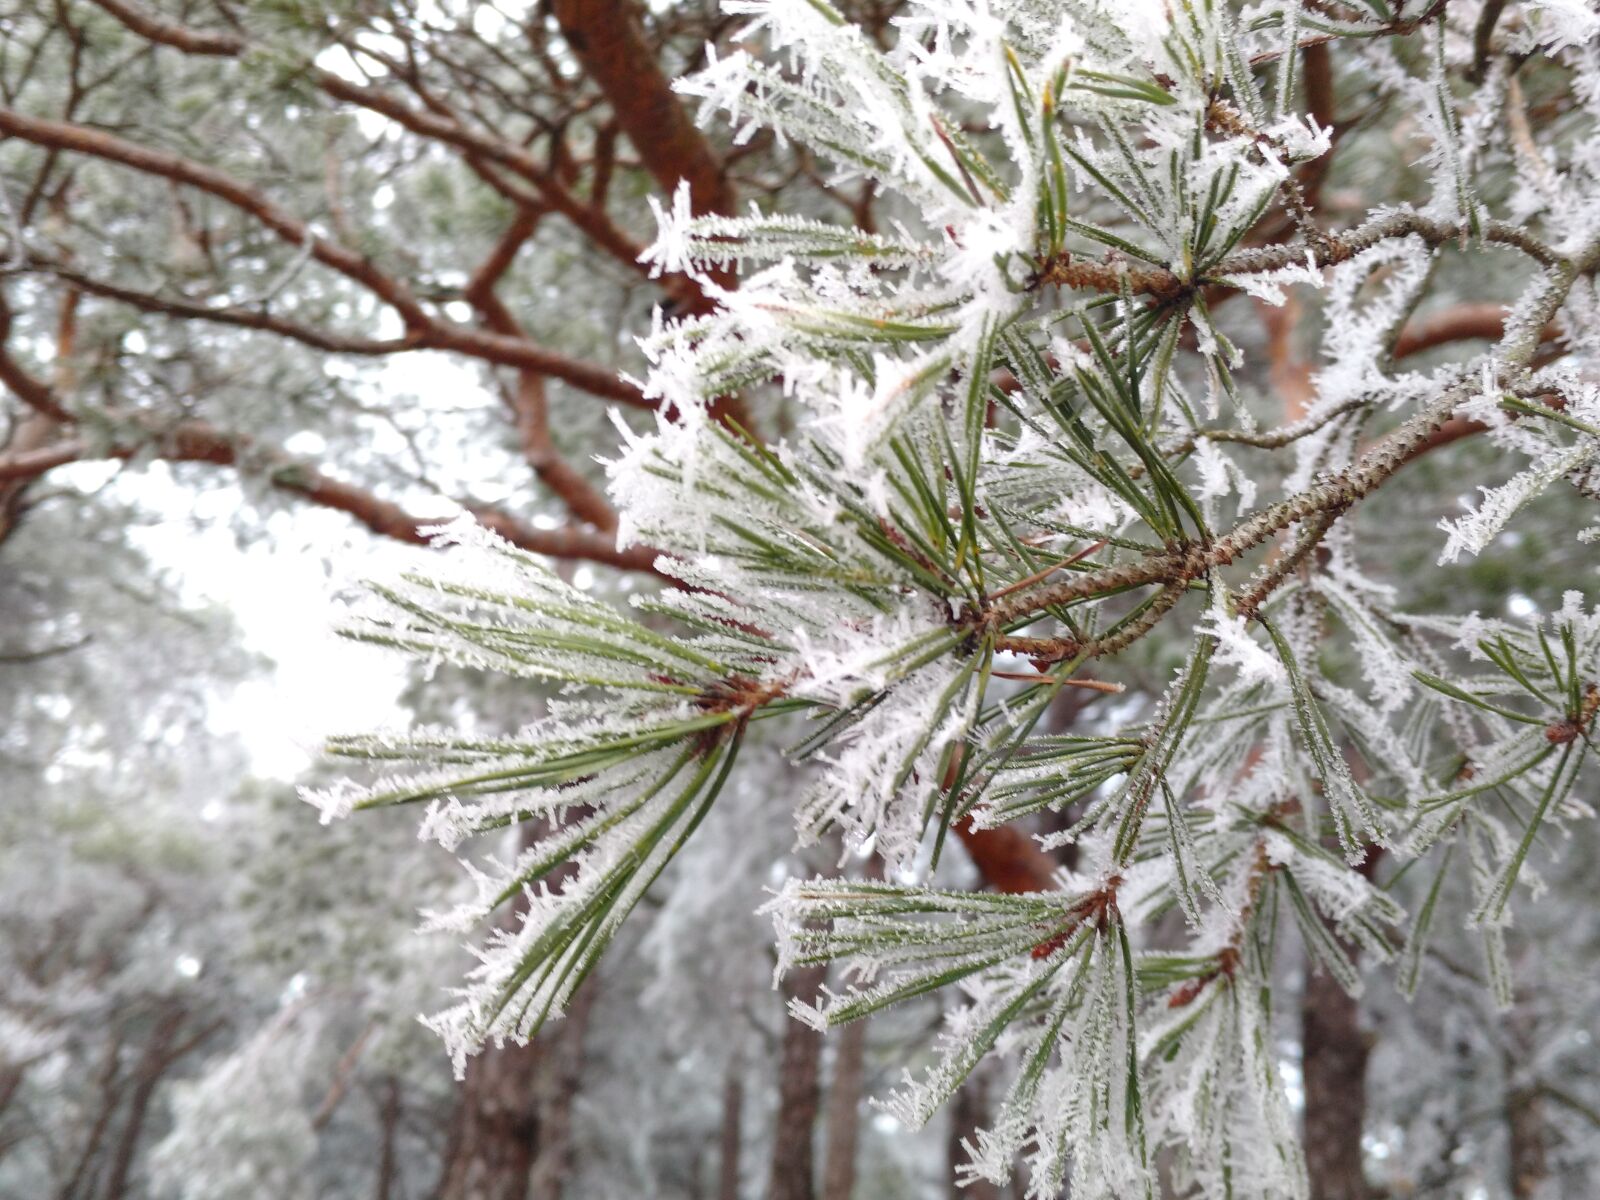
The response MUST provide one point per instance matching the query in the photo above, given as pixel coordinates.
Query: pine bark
(1334, 1051)
(34, 432)
(842, 1133)
(1333, 1068)
(732, 1135)
(1525, 1133)
(10, 1083)
(496, 1129)
(511, 1134)
(609, 42)
(1528, 1163)
(799, 1097)
(559, 1081)
(158, 1055)
(388, 1124)
(969, 1112)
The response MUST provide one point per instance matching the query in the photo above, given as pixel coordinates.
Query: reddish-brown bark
(1007, 858)
(606, 37)
(424, 331)
(799, 1097)
(731, 1139)
(197, 442)
(1334, 1050)
(843, 1125)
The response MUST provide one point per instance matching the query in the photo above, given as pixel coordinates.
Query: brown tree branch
(606, 37)
(1332, 249)
(31, 463)
(32, 392)
(1461, 323)
(155, 29)
(482, 145)
(40, 425)
(82, 139)
(485, 345)
(183, 308)
(424, 331)
(591, 220)
(343, 1072)
(196, 441)
(160, 1053)
(480, 288)
(531, 411)
(1007, 858)
(440, 125)
(527, 400)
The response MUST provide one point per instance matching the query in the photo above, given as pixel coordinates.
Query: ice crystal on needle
(1023, 441)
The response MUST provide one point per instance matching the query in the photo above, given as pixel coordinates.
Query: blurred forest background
(282, 285)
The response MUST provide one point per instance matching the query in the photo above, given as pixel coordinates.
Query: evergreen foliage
(1024, 448)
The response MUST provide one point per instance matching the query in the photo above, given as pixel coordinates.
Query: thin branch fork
(35, 394)
(592, 221)
(343, 1072)
(527, 399)
(1067, 271)
(479, 147)
(197, 441)
(423, 330)
(606, 37)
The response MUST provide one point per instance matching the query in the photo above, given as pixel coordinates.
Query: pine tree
(1027, 445)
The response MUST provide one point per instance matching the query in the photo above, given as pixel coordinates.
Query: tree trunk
(388, 1124)
(33, 432)
(1333, 1067)
(969, 1112)
(157, 1057)
(10, 1084)
(732, 1135)
(1525, 1134)
(560, 1075)
(39, 427)
(799, 1097)
(843, 1131)
(510, 1138)
(496, 1129)
(110, 1095)
(1334, 1052)
(10, 1081)
(843, 1128)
